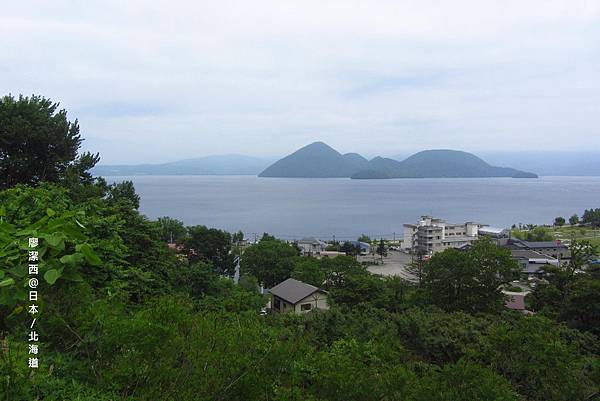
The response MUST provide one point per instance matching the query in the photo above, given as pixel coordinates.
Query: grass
(579, 233)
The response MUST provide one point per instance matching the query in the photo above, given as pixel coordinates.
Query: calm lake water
(294, 208)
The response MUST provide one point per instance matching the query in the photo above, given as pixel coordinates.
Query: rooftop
(293, 290)
(539, 244)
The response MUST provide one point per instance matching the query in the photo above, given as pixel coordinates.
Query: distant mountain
(209, 165)
(316, 160)
(558, 163)
(319, 160)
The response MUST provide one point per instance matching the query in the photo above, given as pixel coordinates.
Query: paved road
(393, 265)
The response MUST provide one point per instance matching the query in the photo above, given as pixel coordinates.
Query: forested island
(123, 316)
(319, 160)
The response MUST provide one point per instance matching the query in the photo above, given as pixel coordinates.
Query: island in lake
(319, 160)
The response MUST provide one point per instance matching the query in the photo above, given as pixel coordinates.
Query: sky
(157, 81)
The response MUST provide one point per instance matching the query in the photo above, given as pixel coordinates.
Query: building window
(277, 304)
(305, 307)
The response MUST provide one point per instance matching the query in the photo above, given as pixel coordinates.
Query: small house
(311, 246)
(295, 296)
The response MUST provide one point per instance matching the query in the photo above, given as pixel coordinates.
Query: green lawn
(580, 233)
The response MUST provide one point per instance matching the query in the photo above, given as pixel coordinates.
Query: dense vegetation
(123, 317)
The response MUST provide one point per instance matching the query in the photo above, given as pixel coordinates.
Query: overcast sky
(154, 81)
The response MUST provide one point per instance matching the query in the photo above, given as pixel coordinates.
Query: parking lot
(394, 264)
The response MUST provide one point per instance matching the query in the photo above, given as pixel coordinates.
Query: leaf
(71, 259)
(50, 212)
(25, 231)
(19, 271)
(2, 274)
(55, 241)
(73, 233)
(51, 276)
(7, 282)
(89, 254)
(79, 224)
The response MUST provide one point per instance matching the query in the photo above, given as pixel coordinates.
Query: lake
(326, 207)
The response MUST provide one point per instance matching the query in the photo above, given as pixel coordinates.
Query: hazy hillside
(209, 165)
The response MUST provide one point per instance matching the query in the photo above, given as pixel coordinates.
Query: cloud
(179, 79)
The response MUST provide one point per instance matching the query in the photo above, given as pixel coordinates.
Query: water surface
(298, 207)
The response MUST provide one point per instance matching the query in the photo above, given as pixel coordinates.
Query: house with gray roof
(310, 246)
(296, 296)
(555, 249)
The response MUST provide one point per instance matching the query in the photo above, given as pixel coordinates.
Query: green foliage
(209, 245)
(591, 217)
(62, 250)
(171, 230)
(534, 234)
(352, 370)
(271, 261)
(574, 220)
(167, 352)
(463, 381)
(469, 281)
(350, 249)
(436, 336)
(364, 238)
(124, 192)
(308, 270)
(532, 355)
(559, 221)
(38, 143)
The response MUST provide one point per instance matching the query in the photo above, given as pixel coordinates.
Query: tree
(591, 217)
(364, 238)
(267, 237)
(470, 281)
(171, 230)
(209, 245)
(270, 261)
(581, 309)
(534, 233)
(38, 143)
(574, 220)
(308, 270)
(237, 237)
(463, 381)
(417, 267)
(124, 191)
(559, 221)
(338, 269)
(532, 354)
(350, 249)
(381, 248)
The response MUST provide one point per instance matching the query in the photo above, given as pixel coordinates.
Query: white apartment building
(431, 235)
